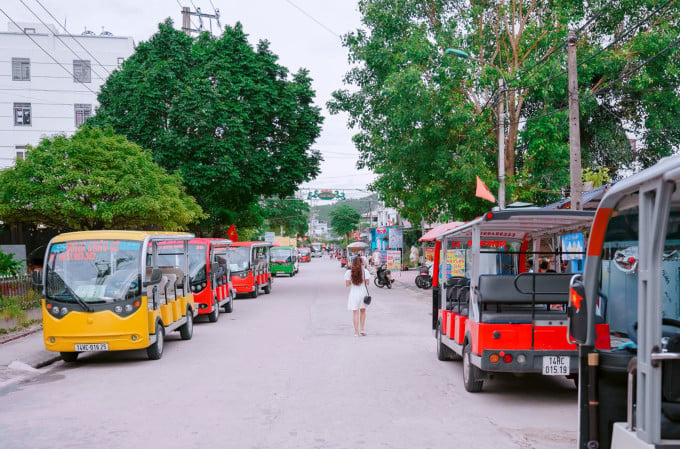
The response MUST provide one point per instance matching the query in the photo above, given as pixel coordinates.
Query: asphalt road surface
(285, 371)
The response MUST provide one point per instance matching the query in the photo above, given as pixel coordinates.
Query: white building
(49, 82)
(318, 228)
(381, 217)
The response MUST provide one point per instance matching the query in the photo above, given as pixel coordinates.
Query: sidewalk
(22, 354)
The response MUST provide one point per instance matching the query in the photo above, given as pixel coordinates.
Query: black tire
(419, 282)
(472, 376)
(256, 291)
(388, 283)
(378, 283)
(69, 357)
(574, 378)
(427, 283)
(215, 314)
(229, 306)
(187, 330)
(268, 287)
(444, 353)
(155, 351)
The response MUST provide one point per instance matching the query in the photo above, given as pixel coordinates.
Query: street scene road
(284, 370)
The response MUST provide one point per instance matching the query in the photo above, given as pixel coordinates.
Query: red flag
(231, 233)
(483, 191)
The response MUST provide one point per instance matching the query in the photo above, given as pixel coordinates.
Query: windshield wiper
(70, 291)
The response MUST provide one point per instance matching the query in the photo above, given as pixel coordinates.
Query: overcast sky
(303, 33)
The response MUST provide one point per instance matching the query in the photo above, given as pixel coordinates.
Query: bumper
(533, 361)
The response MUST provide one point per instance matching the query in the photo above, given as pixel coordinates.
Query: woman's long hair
(357, 271)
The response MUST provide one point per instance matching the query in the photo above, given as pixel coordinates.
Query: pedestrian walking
(357, 278)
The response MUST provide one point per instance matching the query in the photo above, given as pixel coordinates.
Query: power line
(322, 25)
(593, 18)
(217, 15)
(591, 57)
(60, 39)
(72, 37)
(46, 52)
(606, 88)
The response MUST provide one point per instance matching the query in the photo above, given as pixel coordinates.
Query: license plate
(554, 365)
(92, 347)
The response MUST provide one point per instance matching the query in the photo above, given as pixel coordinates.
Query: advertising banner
(573, 247)
(269, 237)
(393, 260)
(396, 238)
(455, 263)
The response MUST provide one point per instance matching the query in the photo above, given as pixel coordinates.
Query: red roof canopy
(432, 234)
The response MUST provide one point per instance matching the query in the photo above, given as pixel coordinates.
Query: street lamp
(501, 124)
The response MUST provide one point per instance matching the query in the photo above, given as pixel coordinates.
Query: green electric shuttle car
(284, 260)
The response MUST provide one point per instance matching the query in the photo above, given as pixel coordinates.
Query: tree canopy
(345, 219)
(287, 214)
(94, 180)
(427, 119)
(225, 116)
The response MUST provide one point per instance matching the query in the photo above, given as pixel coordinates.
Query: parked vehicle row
(125, 290)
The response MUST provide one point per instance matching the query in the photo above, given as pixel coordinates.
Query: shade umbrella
(356, 246)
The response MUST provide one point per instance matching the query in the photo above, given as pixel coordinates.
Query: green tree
(225, 116)
(9, 265)
(427, 119)
(344, 220)
(289, 214)
(94, 180)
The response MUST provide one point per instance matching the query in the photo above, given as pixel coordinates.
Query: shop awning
(432, 234)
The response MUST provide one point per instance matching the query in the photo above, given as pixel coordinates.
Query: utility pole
(501, 147)
(576, 188)
(186, 20)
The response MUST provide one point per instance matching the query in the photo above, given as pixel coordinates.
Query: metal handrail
(630, 413)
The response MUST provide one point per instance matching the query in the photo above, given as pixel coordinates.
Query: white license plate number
(554, 365)
(92, 347)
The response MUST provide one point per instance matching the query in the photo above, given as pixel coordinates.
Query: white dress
(357, 292)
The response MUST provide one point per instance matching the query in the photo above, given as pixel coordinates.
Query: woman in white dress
(358, 278)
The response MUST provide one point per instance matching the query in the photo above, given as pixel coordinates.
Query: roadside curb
(23, 358)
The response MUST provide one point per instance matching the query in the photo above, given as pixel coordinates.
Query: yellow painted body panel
(100, 327)
(153, 315)
(176, 311)
(166, 314)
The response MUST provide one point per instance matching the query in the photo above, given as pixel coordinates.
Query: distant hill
(362, 205)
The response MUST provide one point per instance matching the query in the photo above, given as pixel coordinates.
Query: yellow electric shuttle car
(115, 291)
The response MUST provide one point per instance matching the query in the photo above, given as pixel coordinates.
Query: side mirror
(577, 310)
(156, 276)
(36, 280)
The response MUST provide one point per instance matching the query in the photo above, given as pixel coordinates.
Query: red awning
(432, 234)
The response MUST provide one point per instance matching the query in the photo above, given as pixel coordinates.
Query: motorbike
(383, 277)
(424, 277)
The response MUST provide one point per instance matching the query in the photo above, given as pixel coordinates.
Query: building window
(83, 112)
(22, 114)
(21, 152)
(120, 61)
(81, 71)
(21, 69)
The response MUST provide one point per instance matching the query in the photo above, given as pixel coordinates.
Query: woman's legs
(355, 321)
(362, 320)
